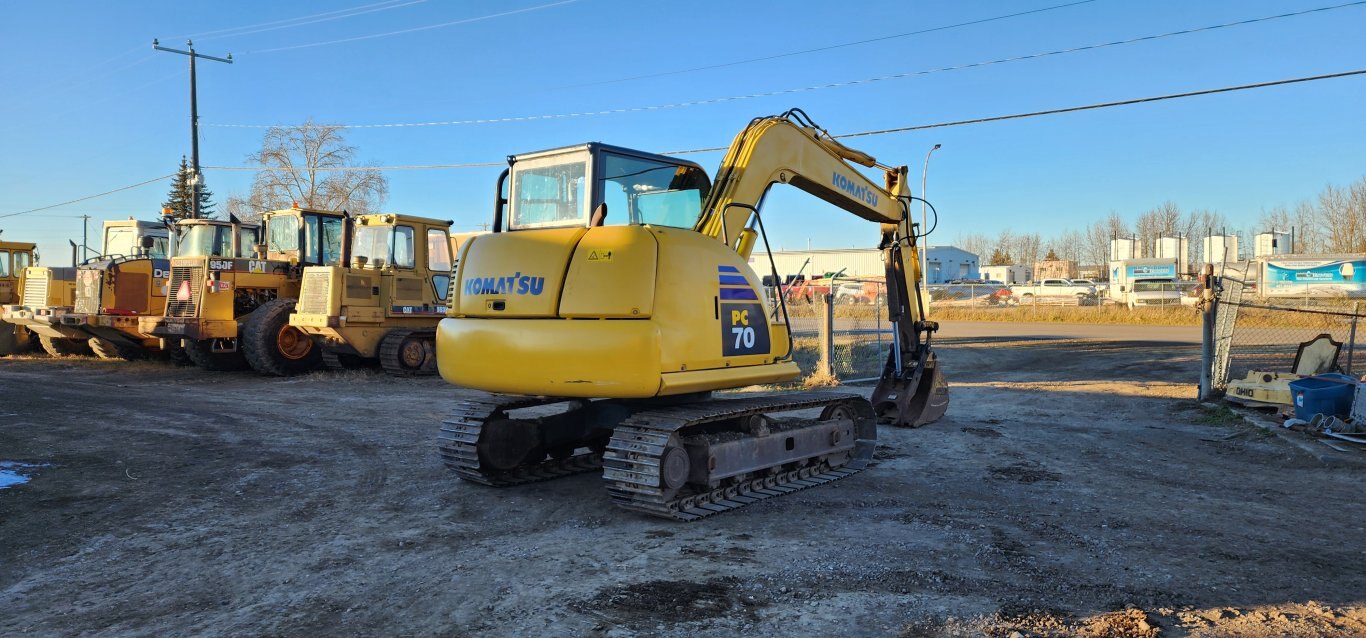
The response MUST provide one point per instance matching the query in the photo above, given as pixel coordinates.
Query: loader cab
(131, 238)
(599, 185)
(214, 238)
(304, 236)
(14, 258)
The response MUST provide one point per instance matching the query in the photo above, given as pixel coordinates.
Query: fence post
(1352, 336)
(827, 335)
(1207, 334)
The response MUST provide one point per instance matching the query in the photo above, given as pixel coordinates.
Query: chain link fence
(1254, 334)
(846, 338)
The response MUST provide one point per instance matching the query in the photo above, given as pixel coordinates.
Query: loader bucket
(918, 397)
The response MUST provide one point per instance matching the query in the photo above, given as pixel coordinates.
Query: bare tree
(313, 166)
(975, 243)
(1027, 248)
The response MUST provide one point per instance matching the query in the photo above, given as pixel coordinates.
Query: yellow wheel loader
(386, 305)
(50, 295)
(232, 313)
(15, 259)
(617, 287)
(114, 292)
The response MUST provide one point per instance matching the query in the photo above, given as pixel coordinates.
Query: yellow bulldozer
(385, 306)
(114, 293)
(229, 313)
(15, 258)
(48, 304)
(616, 295)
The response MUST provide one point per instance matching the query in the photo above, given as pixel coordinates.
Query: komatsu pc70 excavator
(615, 296)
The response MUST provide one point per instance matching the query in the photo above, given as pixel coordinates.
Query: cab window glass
(332, 240)
(644, 191)
(549, 196)
(310, 252)
(4, 263)
(403, 247)
(121, 240)
(247, 240)
(438, 251)
(282, 234)
(22, 260)
(161, 246)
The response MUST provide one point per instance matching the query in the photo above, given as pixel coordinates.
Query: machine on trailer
(386, 305)
(233, 312)
(616, 288)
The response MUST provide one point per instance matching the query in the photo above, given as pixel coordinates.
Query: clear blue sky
(88, 106)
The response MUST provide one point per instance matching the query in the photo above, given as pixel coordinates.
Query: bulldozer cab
(414, 251)
(14, 258)
(596, 184)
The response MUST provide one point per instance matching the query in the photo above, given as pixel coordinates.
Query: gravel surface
(1074, 489)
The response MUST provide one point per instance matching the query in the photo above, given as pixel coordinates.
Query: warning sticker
(600, 255)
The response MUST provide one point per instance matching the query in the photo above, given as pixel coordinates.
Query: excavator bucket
(918, 396)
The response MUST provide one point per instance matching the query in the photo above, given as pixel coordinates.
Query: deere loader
(385, 306)
(49, 296)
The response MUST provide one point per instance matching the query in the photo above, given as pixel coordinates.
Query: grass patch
(1218, 415)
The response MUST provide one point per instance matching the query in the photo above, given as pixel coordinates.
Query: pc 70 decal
(744, 329)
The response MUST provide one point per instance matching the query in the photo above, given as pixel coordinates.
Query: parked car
(1147, 293)
(1026, 293)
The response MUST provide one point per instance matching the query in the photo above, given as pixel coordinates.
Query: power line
(88, 197)
(297, 23)
(416, 29)
(216, 32)
(819, 87)
(919, 127)
(827, 48)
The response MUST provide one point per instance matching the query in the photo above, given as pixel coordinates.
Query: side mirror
(259, 250)
(148, 241)
(359, 261)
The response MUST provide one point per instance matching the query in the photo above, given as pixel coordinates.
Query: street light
(924, 225)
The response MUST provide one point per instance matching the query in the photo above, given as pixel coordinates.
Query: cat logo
(600, 255)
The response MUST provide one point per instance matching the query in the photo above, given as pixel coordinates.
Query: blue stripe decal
(727, 269)
(730, 294)
(733, 280)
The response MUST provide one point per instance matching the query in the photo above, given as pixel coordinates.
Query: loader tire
(201, 354)
(106, 349)
(274, 347)
(13, 339)
(63, 347)
(177, 355)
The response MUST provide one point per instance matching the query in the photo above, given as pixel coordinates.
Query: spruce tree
(1052, 256)
(178, 200)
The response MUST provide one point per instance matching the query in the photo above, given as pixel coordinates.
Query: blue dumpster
(1329, 394)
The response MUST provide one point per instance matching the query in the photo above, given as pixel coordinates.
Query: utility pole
(195, 180)
(85, 236)
(924, 226)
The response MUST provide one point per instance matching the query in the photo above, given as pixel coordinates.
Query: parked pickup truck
(1026, 293)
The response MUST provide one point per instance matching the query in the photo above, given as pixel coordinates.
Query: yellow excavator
(615, 296)
(15, 258)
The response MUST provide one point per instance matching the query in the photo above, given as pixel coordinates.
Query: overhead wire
(209, 35)
(413, 29)
(818, 87)
(88, 197)
(841, 45)
(314, 21)
(902, 129)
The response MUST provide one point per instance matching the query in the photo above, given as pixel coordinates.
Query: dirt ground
(1074, 489)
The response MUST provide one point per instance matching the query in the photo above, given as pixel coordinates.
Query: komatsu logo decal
(857, 191)
(517, 284)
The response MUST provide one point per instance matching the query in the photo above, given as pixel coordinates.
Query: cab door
(439, 266)
(409, 283)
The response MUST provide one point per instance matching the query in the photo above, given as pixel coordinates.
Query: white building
(944, 263)
(1008, 274)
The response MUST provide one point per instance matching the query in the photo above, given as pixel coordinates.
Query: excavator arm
(790, 149)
